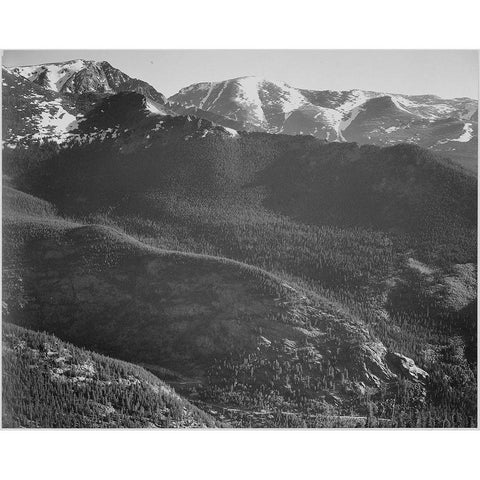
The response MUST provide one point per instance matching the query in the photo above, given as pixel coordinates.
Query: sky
(447, 73)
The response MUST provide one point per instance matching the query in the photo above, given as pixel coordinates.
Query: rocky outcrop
(405, 367)
(375, 367)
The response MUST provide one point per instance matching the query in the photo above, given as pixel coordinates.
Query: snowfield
(56, 74)
(248, 97)
(56, 124)
(467, 134)
(231, 131)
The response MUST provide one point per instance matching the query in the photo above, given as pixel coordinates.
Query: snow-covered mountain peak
(52, 75)
(81, 76)
(33, 113)
(248, 99)
(349, 115)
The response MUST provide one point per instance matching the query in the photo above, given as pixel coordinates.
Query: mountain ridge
(447, 126)
(276, 107)
(81, 76)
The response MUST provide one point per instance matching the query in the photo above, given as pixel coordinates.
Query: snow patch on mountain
(207, 96)
(154, 108)
(467, 134)
(55, 74)
(431, 108)
(247, 97)
(354, 100)
(54, 121)
(289, 98)
(219, 94)
(231, 131)
(346, 121)
(400, 103)
(331, 119)
(391, 129)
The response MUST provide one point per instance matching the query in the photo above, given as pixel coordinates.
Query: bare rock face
(376, 368)
(406, 367)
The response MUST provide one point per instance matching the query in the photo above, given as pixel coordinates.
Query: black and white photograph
(239, 239)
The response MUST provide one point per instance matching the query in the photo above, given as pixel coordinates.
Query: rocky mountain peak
(83, 76)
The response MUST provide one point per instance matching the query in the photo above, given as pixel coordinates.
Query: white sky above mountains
(447, 73)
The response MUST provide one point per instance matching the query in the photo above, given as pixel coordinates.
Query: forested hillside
(371, 250)
(50, 383)
(197, 321)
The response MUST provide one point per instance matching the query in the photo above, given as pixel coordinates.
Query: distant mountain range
(366, 117)
(447, 126)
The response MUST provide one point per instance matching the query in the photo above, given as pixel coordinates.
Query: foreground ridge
(52, 384)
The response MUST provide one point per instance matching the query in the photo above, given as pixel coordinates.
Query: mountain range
(220, 241)
(354, 116)
(447, 126)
